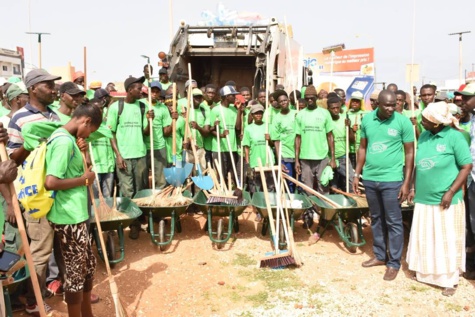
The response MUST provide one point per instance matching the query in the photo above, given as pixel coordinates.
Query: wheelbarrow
(346, 220)
(218, 237)
(259, 202)
(159, 214)
(123, 205)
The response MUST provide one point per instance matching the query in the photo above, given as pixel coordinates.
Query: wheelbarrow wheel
(219, 234)
(161, 234)
(110, 248)
(351, 232)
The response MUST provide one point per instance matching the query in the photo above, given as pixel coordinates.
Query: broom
(293, 249)
(276, 260)
(119, 309)
(105, 211)
(24, 239)
(360, 200)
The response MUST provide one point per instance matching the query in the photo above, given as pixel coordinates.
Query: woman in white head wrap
(436, 250)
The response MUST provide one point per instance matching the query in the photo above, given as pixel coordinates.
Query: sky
(117, 33)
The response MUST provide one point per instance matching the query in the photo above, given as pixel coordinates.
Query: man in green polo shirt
(314, 141)
(128, 130)
(161, 127)
(384, 133)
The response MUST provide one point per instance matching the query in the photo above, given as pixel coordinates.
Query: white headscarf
(439, 113)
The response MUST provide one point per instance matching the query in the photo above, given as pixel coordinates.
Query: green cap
(15, 90)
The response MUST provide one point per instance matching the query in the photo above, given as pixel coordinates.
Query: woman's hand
(410, 197)
(446, 200)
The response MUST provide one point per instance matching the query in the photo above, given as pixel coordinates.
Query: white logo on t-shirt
(426, 164)
(440, 147)
(392, 132)
(378, 147)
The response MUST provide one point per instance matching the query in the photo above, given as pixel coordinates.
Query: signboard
(356, 60)
(415, 73)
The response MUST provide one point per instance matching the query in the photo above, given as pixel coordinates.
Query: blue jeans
(106, 181)
(386, 220)
(291, 168)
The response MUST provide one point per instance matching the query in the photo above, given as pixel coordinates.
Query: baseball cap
(15, 90)
(78, 74)
(197, 92)
(37, 76)
(162, 71)
(228, 90)
(70, 88)
(468, 90)
(156, 84)
(441, 96)
(132, 80)
(145, 90)
(257, 108)
(14, 79)
(187, 83)
(357, 95)
(101, 92)
(95, 84)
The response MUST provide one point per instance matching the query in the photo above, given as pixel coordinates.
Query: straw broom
(293, 249)
(105, 211)
(118, 306)
(24, 239)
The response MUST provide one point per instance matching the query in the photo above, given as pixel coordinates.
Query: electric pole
(39, 44)
(460, 53)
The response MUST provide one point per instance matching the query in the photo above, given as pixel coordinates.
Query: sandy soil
(193, 278)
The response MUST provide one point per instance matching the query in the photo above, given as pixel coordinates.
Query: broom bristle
(277, 261)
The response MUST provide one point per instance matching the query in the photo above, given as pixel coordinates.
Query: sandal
(449, 291)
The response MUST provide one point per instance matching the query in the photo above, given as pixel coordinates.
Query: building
(10, 63)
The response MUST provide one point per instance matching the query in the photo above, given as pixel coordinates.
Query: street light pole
(460, 53)
(39, 44)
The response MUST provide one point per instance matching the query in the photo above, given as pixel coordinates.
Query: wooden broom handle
(24, 239)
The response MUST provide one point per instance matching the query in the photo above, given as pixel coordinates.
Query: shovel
(174, 175)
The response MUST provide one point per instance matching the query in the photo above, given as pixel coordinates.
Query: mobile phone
(8, 259)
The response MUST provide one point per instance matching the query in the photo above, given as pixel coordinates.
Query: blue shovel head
(202, 181)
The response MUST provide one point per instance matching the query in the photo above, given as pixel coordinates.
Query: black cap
(162, 71)
(132, 80)
(70, 88)
(101, 92)
(37, 76)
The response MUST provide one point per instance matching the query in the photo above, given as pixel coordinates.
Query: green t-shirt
(356, 118)
(270, 113)
(129, 131)
(207, 141)
(181, 103)
(339, 136)
(438, 161)
(283, 130)
(161, 120)
(55, 105)
(255, 139)
(230, 116)
(180, 133)
(165, 85)
(62, 117)
(201, 116)
(104, 156)
(64, 160)
(385, 140)
(465, 125)
(313, 126)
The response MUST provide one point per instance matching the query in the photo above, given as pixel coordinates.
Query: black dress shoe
(390, 274)
(373, 262)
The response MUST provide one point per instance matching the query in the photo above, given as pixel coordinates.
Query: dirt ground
(193, 278)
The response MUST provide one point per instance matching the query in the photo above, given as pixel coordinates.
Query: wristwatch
(357, 175)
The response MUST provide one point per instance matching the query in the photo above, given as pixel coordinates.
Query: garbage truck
(249, 55)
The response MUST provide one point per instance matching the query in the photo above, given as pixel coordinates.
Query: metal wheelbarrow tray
(159, 213)
(258, 201)
(218, 237)
(345, 220)
(123, 205)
